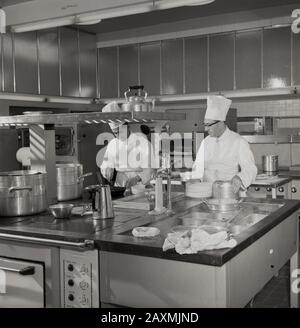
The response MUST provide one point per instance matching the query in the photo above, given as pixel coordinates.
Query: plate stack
(198, 189)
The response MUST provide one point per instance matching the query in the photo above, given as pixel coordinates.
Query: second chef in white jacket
(223, 154)
(130, 154)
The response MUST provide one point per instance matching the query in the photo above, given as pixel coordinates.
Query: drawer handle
(294, 190)
(30, 270)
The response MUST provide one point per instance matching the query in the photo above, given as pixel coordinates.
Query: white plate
(147, 232)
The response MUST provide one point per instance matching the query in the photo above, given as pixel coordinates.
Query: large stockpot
(22, 193)
(270, 164)
(223, 189)
(69, 180)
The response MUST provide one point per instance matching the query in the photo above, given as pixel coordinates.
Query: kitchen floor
(276, 292)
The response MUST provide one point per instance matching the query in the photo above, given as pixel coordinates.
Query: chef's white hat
(112, 107)
(217, 108)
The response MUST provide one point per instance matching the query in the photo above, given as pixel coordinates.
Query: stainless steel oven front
(47, 273)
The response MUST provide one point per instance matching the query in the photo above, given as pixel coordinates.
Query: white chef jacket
(131, 157)
(224, 157)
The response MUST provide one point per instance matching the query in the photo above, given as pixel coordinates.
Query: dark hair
(145, 129)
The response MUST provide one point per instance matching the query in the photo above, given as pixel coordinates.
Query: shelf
(90, 118)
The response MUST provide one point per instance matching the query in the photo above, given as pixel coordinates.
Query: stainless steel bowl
(61, 211)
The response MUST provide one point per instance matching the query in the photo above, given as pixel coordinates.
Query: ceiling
(173, 15)
(183, 13)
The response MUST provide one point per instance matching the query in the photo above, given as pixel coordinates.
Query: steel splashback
(90, 118)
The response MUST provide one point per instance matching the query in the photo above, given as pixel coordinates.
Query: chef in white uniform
(130, 154)
(223, 154)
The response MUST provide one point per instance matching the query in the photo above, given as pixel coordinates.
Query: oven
(48, 273)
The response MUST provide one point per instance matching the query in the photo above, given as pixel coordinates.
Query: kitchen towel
(191, 242)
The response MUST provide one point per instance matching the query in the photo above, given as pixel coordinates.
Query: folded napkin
(197, 240)
(145, 232)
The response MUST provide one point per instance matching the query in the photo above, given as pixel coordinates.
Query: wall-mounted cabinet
(223, 62)
(49, 62)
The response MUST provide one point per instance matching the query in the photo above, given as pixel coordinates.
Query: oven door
(21, 284)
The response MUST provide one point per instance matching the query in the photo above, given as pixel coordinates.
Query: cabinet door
(221, 62)
(49, 62)
(150, 67)
(172, 67)
(88, 64)
(248, 60)
(296, 59)
(277, 57)
(26, 62)
(108, 72)
(196, 73)
(69, 62)
(128, 63)
(7, 54)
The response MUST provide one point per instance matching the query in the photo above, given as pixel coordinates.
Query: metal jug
(137, 103)
(101, 201)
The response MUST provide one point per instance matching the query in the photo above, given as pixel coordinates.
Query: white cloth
(217, 108)
(112, 107)
(131, 157)
(197, 240)
(224, 157)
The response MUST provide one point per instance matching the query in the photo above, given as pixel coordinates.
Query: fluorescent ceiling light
(167, 4)
(13, 96)
(70, 100)
(40, 25)
(87, 22)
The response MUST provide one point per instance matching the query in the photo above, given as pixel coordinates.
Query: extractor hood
(40, 14)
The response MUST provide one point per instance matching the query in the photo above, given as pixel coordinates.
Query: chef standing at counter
(223, 154)
(130, 154)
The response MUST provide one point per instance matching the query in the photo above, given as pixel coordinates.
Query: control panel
(79, 279)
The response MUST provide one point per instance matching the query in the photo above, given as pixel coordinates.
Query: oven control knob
(257, 189)
(83, 285)
(71, 282)
(269, 189)
(71, 297)
(281, 189)
(71, 267)
(294, 190)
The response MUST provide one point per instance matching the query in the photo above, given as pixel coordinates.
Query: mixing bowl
(61, 211)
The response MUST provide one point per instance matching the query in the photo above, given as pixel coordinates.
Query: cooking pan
(116, 192)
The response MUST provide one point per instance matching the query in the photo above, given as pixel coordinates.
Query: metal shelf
(90, 118)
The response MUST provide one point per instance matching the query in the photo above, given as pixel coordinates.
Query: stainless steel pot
(70, 179)
(270, 164)
(137, 103)
(223, 189)
(222, 205)
(22, 193)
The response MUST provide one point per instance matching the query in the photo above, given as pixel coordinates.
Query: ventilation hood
(39, 14)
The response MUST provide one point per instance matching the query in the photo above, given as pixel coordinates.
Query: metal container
(70, 179)
(22, 193)
(137, 102)
(270, 164)
(61, 211)
(223, 189)
(101, 201)
(221, 206)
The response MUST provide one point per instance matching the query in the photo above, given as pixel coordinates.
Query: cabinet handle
(30, 270)
(294, 190)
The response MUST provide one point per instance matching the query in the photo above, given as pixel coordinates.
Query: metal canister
(270, 164)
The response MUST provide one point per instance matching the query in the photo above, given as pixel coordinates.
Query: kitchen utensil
(61, 211)
(270, 164)
(222, 205)
(223, 189)
(22, 193)
(70, 179)
(116, 192)
(196, 189)
(137, 103)
(101, 201)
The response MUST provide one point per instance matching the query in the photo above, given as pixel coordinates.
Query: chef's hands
(108, 173)
(133, 181)
(236, 184)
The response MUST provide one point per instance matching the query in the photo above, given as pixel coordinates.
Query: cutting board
(140, 202)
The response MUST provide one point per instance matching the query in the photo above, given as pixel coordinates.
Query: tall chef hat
(112, 107)
(217, 108)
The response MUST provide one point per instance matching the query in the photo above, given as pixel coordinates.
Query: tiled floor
(276, 292)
